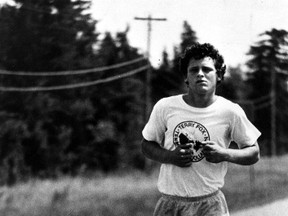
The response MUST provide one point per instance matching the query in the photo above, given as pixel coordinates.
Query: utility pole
(149, 19)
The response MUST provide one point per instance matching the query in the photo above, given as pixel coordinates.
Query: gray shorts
(209, 205)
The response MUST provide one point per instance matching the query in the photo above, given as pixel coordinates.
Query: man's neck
(199, 101)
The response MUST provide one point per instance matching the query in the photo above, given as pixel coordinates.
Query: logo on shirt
(190, 132)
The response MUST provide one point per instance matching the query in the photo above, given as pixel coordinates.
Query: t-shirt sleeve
(155, 128)
(244, 133)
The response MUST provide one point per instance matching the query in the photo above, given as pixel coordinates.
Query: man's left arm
(247, 155)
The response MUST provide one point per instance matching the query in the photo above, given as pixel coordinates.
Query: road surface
(276, 208)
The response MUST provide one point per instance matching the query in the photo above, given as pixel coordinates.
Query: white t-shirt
(173, 122)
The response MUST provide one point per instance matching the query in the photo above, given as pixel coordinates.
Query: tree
(168, 80)
(13, 131)
(269, 62)
(119, 106)
(232, 86)
(188, 37)
(45, 36)
(162, 79)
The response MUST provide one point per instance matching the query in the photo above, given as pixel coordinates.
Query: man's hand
(181, 156)
(247, 155)
(213, 152)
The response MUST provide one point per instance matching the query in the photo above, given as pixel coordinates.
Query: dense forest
(72, 103)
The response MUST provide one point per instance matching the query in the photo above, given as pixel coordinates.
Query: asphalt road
(276, 208)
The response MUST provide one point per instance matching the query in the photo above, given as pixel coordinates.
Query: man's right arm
(181, 156)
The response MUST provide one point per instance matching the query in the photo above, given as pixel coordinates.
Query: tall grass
(256, 185)
(101, 195)
(135, 194)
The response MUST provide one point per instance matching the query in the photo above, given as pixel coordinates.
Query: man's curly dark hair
(198, 51)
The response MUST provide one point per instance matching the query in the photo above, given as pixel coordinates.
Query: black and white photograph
(143, 107)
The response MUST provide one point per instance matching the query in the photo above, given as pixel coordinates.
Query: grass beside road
(262, 183)
(136, 194)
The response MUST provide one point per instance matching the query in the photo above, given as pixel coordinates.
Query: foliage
(188, 37)
(48, 134)
(232, 86)
(268, 56)
(46, 35)
(122, 103)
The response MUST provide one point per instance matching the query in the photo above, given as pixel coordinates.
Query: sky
(232, 26)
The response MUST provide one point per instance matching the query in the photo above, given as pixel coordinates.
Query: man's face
(202, 76)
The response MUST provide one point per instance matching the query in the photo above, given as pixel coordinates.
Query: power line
(77, 85)
(266, 104)
(282, 72)
(261, 99)
(75, 72)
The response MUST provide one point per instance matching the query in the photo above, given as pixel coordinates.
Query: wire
(263, 105)
(75, 72)
(261, 99)
(282, 72)
(250, 102)
(71, 86)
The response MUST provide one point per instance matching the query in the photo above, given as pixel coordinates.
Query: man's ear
(220, 73)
